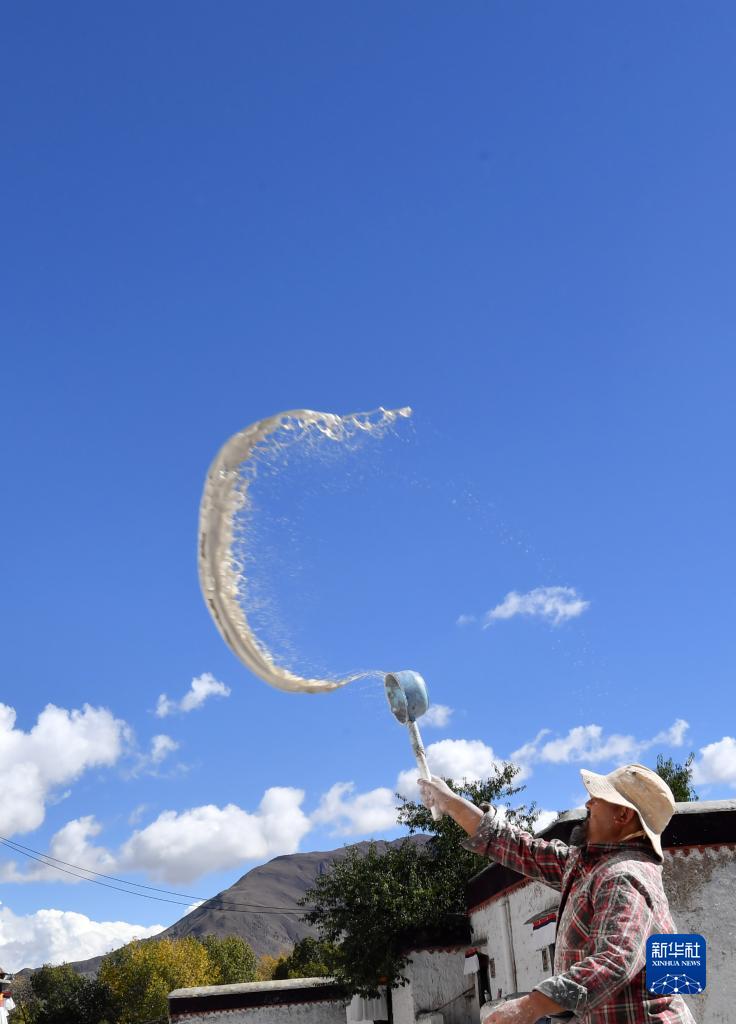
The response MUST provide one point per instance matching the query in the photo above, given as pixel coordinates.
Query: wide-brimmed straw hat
(640, 788)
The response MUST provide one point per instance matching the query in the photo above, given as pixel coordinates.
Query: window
(545, 961)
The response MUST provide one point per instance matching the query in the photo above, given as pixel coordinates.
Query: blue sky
(519, 220)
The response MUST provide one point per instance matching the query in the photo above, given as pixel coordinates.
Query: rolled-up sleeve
(514, 848)
(621, 923)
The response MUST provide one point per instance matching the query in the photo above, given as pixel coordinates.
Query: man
(612, 897)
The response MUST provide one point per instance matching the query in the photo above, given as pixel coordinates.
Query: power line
(20, 848)
(230, 906)
(234, 908)
(47, 856)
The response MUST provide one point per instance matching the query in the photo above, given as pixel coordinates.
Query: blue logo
(676, 964)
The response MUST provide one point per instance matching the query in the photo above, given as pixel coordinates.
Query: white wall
(701, 888)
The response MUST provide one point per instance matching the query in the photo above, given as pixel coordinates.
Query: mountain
(278, 884)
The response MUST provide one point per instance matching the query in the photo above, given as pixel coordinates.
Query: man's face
(601, 825)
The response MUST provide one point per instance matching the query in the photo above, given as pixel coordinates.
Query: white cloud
(717, 763)
(164, 706)
(673, 737)
(58, 798)
(437, 716)
(528, 751)
(201, 688)
(161, 747)
(150, 762)
(180, 846)
(60, 747)
(58, 936)
(554, 604)
(461, 759)
(465, 620)
(72, 844)
(137, 813)
(589, 744)
(374, 811)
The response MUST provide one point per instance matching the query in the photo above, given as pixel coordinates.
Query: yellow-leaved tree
(267, 964)
(142, 974)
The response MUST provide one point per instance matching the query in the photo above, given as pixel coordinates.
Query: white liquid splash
(226, 497)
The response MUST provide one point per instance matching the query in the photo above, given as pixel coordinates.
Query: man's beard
(579, 835)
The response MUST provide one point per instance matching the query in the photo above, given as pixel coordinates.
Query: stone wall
(292, 1001)
(305, 1013)
(701, 886)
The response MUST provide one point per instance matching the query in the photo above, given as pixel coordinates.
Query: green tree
(366, 906)
(231, 958)
(142, 974)
(309, 958)
(678, 777)
(58, 995)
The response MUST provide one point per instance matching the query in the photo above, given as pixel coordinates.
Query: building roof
(213, 998)
(696, 823)
(250, 987)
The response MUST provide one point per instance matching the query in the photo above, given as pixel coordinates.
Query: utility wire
(28, 850)
(47, 856)
(227, 905)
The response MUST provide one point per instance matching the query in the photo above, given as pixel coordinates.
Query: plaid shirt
(612, 901)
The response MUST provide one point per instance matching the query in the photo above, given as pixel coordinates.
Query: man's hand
(526, 1010)
(438, 794)
(435, 793)
(514, 1012)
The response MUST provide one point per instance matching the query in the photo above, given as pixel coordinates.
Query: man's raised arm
(496, 839)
